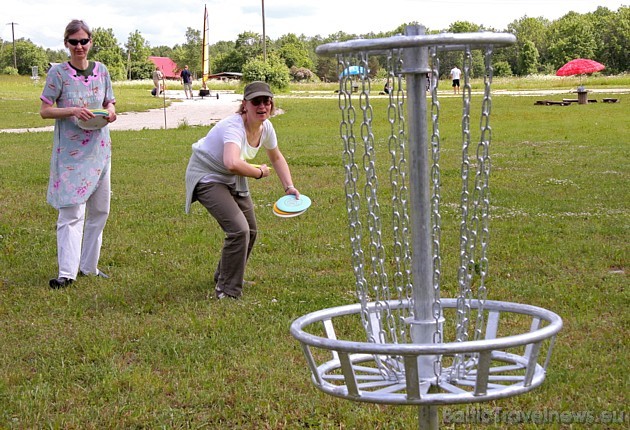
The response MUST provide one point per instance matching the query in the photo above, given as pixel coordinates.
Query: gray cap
(257, 89)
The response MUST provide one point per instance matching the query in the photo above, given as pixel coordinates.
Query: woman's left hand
(111, 117)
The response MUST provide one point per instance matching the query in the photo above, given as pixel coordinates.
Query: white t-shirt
(456, 73)
(232, 130)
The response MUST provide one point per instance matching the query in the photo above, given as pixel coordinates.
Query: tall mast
(205, 54)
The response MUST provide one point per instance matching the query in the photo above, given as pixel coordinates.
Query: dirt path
(198, 111)
(210, 110)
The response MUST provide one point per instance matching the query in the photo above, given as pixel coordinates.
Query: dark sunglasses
(257, 101)
(75, 42)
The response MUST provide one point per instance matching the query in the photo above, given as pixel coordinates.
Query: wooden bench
(551, 103)
(577, 101)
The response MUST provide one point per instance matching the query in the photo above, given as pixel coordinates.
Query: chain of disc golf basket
(346, 131)
(399, 181)
(463, 274)
(377, 279)
(373, 285)
(474, 232)
(482, 184)
(436, 220)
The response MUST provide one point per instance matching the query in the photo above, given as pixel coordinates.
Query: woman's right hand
(265, 171)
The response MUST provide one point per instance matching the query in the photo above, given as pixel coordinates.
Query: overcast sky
(164, 22)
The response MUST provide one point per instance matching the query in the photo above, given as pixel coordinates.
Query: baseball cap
(256, 89)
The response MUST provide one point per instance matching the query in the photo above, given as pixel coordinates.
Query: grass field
(151, 347)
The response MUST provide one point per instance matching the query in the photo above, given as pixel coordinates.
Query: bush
(9, 70)
(274, 71)
(301, 74)
(502, 68)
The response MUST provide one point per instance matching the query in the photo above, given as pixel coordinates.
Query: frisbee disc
(277, 212)
(290, 204)
(258, 166)
(99, 120)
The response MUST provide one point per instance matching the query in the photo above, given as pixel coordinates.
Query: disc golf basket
(402, 343)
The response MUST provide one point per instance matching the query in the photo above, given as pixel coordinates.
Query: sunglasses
(75, 42)
(257, 101)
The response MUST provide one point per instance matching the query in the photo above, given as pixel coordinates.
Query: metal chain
(436, 221)
(464, 274)
(377, 279)
(346, 129)
(373, 284)
(483, 179)
(397, 142)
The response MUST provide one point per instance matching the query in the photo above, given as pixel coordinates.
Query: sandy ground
(198, 111)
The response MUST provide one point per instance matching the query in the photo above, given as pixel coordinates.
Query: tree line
(542, 47)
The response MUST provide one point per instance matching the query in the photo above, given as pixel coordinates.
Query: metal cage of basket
(419, 349)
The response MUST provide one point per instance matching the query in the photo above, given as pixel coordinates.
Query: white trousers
(80, 231)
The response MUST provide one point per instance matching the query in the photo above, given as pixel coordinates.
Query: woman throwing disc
(217, 177)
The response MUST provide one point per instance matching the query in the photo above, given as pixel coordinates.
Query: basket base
(480, 370)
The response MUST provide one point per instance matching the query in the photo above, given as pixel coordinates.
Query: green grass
(151, 348)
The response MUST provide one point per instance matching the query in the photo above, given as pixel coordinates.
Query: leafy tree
(528, 31)
(162, 51)
(27, 55)
(106, 50)
(231, 61)
(249, 44)
(450, 59)
(528, 59)
(56, 56)
(190, 52)
(327, 68)
(571, 37)
(227, 57)
(294, 51)
(613, 44)
(138, 51)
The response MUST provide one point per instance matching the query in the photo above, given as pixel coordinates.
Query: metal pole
(164, 99)
(428, 418)
(13, 37)
(264, 36)
(416, 68)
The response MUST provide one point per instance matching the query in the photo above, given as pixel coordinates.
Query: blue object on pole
(352, 70)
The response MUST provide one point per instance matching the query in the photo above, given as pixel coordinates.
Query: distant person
(157, 81)
(79, 185)
(187, 82)
(217, 177)
(387, 88)
(455, 75)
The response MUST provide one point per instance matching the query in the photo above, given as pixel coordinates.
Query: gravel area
(198, 111)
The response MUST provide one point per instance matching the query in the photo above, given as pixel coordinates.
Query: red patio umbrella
(580, 66)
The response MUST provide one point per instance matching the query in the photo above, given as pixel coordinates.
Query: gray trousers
(235, 214)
